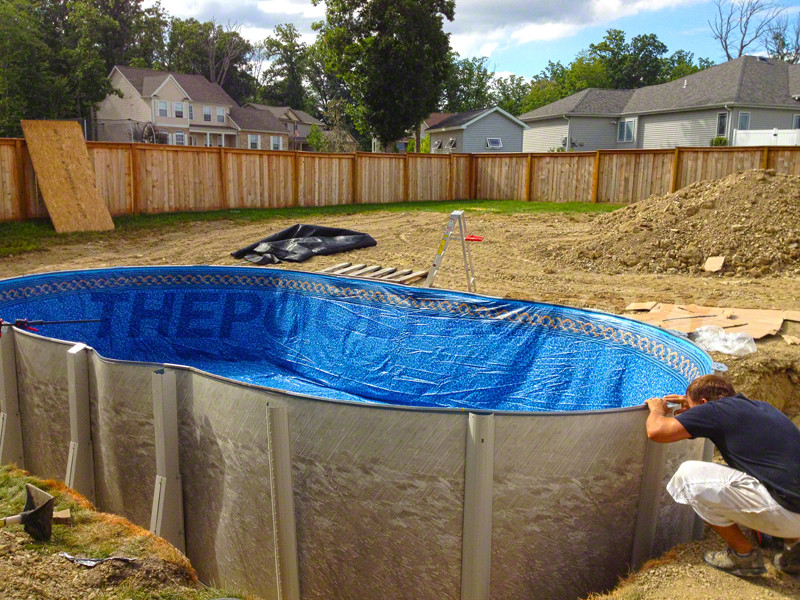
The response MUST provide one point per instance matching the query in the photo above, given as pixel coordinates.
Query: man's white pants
(723, 496)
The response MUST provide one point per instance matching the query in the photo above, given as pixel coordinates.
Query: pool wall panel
(379, 498)
(123, 436)
(566, 489)
(44, 404)
(222, 430)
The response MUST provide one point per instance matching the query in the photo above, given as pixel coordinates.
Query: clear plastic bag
(715, 339)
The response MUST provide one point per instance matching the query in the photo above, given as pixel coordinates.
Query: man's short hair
(710, 387)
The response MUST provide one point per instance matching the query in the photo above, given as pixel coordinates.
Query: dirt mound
(750, 218)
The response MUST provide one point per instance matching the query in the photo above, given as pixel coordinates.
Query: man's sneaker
(744, 566)
(788, 561)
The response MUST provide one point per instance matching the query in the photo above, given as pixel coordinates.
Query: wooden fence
(147, 178)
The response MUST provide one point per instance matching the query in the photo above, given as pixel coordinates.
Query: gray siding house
(482, 130)
(747, 93)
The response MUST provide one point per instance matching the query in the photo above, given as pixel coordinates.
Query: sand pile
(751, 218)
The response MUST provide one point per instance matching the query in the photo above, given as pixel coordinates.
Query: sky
(518, 37)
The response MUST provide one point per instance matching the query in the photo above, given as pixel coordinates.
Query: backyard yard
(548, 253)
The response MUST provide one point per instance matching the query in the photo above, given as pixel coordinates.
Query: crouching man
(760, 488)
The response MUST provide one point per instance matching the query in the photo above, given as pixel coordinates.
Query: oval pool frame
(281, 494)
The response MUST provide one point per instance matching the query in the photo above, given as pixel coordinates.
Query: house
(482, 130)
(431, 121)
(297, 123)
(181, 109)
(747, 93)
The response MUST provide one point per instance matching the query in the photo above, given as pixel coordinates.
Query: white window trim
(191, 112)
(499, 144)
(220, 112)
(725, 132)
(437, 145)
(796, 121)
(622, 123)
(272, 139)
(158, 108)
(451, 144)
(175, 110)
(739, 123)
(175, 138)
(207, 111)
(250, 136)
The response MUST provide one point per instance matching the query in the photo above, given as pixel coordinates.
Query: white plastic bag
(716, 339)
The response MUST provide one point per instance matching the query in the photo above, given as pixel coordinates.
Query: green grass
(17, 238)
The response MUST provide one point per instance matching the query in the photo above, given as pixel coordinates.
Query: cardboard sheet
(689, 317)
(66, 179)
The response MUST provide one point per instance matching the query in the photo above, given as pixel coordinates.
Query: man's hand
(678, 399)
(657, 406)
(660, 427)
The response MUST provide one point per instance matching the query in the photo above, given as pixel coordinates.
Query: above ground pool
(310, 437)
(360, 340)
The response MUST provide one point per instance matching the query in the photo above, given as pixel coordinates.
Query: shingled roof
(252, 119)
(198, 88)
(749, 81)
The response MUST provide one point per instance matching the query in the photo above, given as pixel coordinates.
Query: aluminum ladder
(456, 218)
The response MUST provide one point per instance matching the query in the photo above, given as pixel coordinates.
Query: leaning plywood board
(689, 317)
(65, 176)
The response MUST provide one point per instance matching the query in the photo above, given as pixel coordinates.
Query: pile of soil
(750, 218)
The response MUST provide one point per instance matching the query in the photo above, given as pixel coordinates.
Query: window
(254, 142)
(494, 143)
(437, 145)
(180, 140)
(275, 142)
(796, 122)
(625, 130)
(451, 143)
(177, 108)
(722, 124)
(191, 112)
(220, 115)
(744, 121)
(207, 114)
(163, 108)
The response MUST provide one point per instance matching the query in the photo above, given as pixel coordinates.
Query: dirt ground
(522, 256)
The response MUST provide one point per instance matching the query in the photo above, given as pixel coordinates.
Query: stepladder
(457, 225)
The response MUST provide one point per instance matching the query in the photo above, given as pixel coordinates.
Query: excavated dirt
(545, 257)
(750, 218)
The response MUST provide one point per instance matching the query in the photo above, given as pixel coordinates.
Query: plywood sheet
(65, 176)
(689, 317)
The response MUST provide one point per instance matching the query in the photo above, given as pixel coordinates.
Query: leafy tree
(424, 147)
(283, 79)
(315, 139)
(468, 85)
(680, 64)
(324, 85)
(630, 65)
(393, 55)
(510, 92)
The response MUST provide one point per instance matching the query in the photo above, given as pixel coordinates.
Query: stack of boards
(391, 274)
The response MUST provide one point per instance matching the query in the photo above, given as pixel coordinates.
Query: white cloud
(293, 7)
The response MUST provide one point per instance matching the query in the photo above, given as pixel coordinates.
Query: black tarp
(301, 242)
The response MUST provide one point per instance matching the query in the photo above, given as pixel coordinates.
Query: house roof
(280, 112)
(435, 118)
(252, 119)
(464, 119)
(199, 89)
(748, 80)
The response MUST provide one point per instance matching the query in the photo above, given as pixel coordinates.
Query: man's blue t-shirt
(753, 437)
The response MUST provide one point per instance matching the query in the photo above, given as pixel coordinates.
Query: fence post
(476, 547)
(80, 463)
(10, 424)
(528, 176)
(450, 181)
(356, 182)
(136, 193)
(283, 518)
(223, 187)
(473, 177)
(296, 179)
(765, 157)
(596, 176)
(405, 177)
(22, 201)
(166, 518)
(676, 171)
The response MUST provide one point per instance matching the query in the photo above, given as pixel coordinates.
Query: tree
(680, 64)
(782, 40)
(315, 139)
(283, 78)
(509, 93)
(742, 24)
(468, 85)
(324, 85)
(393, 55)
(629, 65)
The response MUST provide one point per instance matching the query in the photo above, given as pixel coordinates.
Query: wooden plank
(64, 172)
(135, 190)
(365, 271)
(411, 277)
(335, 268)
(595, 176)
(383, 272)
(350, 269)
(22, 205)
(676, 170)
